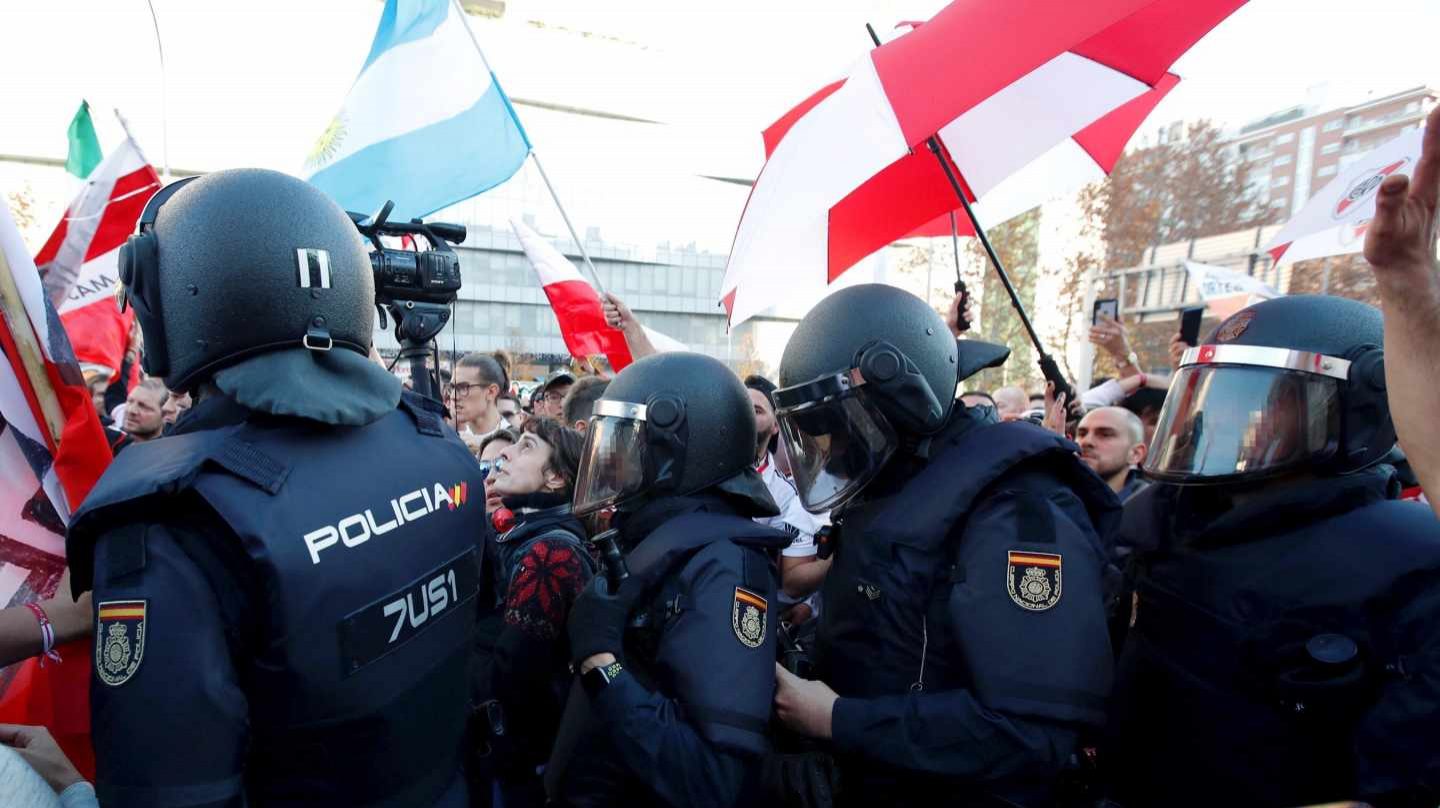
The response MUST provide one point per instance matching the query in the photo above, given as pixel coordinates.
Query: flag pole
(1048, 368)
(594, 276)
(164, 104)
(27, 345)
(584, 254)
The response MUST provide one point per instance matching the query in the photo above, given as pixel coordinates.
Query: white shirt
(793, 518)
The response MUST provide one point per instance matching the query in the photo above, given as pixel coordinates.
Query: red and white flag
(1018, 95)
(79, 260)
(577, 305)
(52, 451)
(1334, 221)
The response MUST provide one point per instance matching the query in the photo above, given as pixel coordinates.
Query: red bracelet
(47, 633)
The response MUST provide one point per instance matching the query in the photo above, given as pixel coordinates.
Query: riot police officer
(677, 661)
(1283, 647)
(284, 587)
(963, 652)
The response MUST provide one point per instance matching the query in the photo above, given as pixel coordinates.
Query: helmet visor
(836, 445)
(1225, 422)
(612, 467)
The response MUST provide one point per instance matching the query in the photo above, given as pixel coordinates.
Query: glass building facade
(502, 305)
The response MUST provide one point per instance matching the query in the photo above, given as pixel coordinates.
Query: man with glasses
(475, 390)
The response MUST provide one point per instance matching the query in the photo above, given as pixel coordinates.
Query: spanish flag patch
(1033, 579)
(119, 640)
(748, 617)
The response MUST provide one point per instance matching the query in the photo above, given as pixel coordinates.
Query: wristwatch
(1132, 359)
(599, 677)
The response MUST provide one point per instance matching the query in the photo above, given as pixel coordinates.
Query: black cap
(561, 376)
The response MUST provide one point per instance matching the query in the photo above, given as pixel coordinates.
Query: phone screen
(1106, 306)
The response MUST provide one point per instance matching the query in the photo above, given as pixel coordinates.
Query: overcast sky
(253, 83)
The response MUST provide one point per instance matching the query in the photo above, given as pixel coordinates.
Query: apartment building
(1292, 153)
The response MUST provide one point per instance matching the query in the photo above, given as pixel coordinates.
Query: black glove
(597, 620)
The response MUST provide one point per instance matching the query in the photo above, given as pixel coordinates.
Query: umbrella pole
(1048, 368)
(960, 289)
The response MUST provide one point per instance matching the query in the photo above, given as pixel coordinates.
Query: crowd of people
(860, 582)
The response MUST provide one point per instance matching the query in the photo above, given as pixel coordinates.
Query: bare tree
(1182, 189)
(1017, 244)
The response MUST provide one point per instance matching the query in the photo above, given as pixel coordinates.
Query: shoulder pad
(681, 537)
(970, 463)
(163, 468)
(428, 415)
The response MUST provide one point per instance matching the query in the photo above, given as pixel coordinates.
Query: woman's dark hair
(492, 367)
(565, 443)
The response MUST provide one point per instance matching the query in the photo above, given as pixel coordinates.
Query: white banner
(1333, 222)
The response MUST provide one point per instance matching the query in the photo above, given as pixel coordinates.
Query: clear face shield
(612, 467)
(835, 436)
(1239, 412)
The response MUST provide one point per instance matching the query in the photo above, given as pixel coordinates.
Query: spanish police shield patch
(747, 617)
(1033, 580)
(119, 640)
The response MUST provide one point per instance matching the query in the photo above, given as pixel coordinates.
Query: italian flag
(79, 261)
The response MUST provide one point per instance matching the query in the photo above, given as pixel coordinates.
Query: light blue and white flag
(425, 124)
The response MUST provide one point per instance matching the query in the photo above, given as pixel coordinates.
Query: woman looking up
(542, 563)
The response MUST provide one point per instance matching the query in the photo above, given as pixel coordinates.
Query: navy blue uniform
(284, 611)
(965, 625)
(694, 732)
(1284, 649)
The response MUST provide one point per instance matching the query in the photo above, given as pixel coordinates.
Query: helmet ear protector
(1369, 433)
(666, 435)
(904, 393)
(139, 265)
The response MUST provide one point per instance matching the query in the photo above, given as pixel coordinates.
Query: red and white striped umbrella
(1026, 98)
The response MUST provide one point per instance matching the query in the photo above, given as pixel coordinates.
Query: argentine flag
(425, 124)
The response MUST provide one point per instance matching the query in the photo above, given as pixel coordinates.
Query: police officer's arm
(697, 748)
(169, 719)
(1038, 675)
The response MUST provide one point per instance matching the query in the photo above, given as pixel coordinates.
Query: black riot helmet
(868, 366)
(670, 424)
(257, 280)
(1291, 383)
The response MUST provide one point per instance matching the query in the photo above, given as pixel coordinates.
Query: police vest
(735, 714)
(1251, 666)
(887, 595)
(363, 543)
(661, 559)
